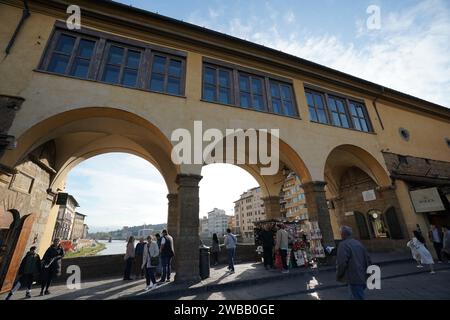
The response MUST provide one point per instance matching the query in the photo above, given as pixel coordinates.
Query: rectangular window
(121, 65)
(217, 84)
(167, 73)
(359, 117)
(316, 105)
(338, 112)
(251, 92)
(70, 55)
(282, 98)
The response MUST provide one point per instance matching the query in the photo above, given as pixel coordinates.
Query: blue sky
(410, 52)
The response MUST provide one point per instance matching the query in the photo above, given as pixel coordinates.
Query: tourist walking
(150, 262)
(129, 257)
(159, 267)
(29, 269)
(268, 244)
(418, 242)
(51, 265)
(435, 236)
(230, 243)
(138, 258)
(445, 252)
(282, 245)
(215, 249)
(167, 252)
(415, 253)
(351, 264)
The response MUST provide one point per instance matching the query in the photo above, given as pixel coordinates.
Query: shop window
(378, 224)
(362, 226)
(393, 224)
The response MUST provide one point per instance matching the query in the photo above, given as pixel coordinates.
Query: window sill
(333, 126)
(242, 108)
(106, 83)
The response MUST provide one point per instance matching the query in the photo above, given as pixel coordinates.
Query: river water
(113, 247)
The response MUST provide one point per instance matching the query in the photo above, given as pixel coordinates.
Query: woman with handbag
(150, 261)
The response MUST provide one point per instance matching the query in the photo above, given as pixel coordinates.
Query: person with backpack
(149, 262)
(30, 268)
(51, 266)
(230, 244)
(166, 254)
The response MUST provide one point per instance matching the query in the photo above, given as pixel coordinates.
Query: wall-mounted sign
(427, 200)
(349, 213)
(369, 195)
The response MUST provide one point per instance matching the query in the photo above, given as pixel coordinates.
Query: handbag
(154, 261)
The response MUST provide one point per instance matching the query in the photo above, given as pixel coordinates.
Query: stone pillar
(187, 247)
(272, 207)
(173, 216)
(318, 210)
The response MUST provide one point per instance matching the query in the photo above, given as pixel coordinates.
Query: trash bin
(204, 262)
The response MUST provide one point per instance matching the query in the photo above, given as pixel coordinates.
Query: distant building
(248, 209)
(78, 228)
(217, 222)
(144, 233)
(293, 203)
(66, 215)
(232, 224)
(203, 228)
(85, 231)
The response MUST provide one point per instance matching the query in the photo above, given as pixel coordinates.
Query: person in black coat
(51, 266)
(267, 243)
(30, 268)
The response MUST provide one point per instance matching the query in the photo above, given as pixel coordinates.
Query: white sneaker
(153, 287)
(148, 287)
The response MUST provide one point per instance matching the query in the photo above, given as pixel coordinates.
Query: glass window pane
(309, 99)
(129, 78)
(276, 106)
(322, 116)
(352, 109)
(115, 55)
(157, 82)
(225, 95)
(210, 76)
(133, 59)
(58, 63)
(344, 121)
(175, 68)
(332, 104)
(159, 64)
(244, 83)
(256, 86)
(65, 44)
(245, 100)
(258, 102)
(360, 112)
(340, 106)
(318, 101)
(86, 48)
(289, 108)
(336, 119)
(274, 90)
(80, 68)
(209, 92)
(364, 125)
(313, 114)
(111, 74)
(356, 124)
(225, 78)
(174, 85)
(286, 92)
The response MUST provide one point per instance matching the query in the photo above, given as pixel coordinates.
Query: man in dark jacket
(51, 266)
(30, 267)
(352, 262)
(138, 256)
(267, 243)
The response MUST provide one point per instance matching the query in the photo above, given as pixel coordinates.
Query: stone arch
(346, 156)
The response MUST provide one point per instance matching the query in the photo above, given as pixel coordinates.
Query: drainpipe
(374, 103)
(25, 15)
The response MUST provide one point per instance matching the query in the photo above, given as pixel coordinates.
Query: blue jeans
(165, 264)
(231, 252)
(357, 291)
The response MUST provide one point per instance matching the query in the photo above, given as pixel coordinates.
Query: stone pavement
(246, 275)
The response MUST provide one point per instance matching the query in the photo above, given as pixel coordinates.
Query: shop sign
(369, 195)
(349, 213)
(427, 200)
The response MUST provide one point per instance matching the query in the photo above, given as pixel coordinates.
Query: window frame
(217, 85)
(251, 93)
(168, 57)
(98, 59)
(347, 100)
(266, 78)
